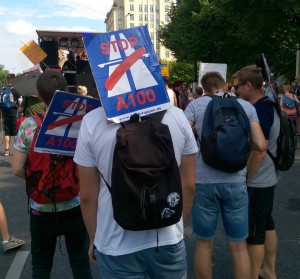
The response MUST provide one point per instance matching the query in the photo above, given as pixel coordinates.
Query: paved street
(16, 264)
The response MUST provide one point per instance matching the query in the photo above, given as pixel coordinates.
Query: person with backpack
(135, 178)
(11, 99)
(262, 239)
(52, 186)
(227, 129)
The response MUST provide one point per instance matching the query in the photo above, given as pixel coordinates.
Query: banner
(26, 82)
(59, 131)
(270, 90)
(33, 52)
(127, 73)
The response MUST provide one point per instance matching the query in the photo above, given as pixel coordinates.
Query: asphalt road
(17, 264)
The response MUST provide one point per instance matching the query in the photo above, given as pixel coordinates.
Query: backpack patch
(50, 178)
(226, 134)
(145, 186)
(286, 142)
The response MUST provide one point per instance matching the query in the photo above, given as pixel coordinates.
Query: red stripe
(65, 121)
(123, 67)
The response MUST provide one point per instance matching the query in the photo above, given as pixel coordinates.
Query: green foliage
(180, 71)
(235, 32)
(3, 75)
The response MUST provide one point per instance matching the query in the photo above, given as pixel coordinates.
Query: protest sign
(59, 131)
(127, 73)
(212, 67)
(33, 52)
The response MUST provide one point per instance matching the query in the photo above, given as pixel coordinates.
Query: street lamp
(128, 14)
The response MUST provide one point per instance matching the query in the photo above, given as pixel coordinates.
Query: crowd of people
(244, 198)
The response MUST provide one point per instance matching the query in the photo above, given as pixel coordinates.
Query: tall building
(130, 13)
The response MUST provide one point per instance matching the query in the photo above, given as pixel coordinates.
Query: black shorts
(260, 213)
(9, 122)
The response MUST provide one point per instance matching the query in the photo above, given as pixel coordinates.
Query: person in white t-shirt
(118, 252)
(172, 96)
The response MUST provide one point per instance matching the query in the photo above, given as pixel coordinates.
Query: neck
(255, 96)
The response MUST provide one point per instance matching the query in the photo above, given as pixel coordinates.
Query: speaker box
(83, 67)
(88, 81)
(51, 48)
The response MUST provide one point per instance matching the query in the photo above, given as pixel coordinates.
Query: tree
(180, 71)
(3, 75)
(235, 32)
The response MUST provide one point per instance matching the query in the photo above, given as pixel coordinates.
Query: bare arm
(89, 191)
(18, 163)
(187, 173)
(259, 148)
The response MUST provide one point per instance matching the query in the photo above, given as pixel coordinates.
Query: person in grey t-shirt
(221, 191)
(262, 240)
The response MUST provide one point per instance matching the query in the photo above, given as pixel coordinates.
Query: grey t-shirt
(267, 175)
(205, 174)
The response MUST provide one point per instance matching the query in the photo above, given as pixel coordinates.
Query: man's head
(212, 82)
(47, 83)
(248, 81)
(167, 81)
(198, 92)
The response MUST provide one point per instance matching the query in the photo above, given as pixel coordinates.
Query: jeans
(45, 228)
(169, 262)
(231, 200)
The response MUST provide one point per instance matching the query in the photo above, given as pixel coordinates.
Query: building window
(166, 18)
(167, 54)
(152, 17)
(151, 26)
(140, 8)
(151, 9)
(146, 8)
(133, 0)
(146, 17)
(156, 8)
(131, 7)
(166, 1)
(131, 25)
(120, 26)
(120, 17)
(167, 8)
(131, 16)
(140, 24)
(152, 36)
(157, 54)
(140, 17)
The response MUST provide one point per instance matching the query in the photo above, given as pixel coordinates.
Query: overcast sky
(19, 20)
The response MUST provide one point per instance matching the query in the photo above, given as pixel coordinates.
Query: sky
(19, 20)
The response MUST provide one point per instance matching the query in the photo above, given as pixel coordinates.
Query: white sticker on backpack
(167, 213)
(173, 199)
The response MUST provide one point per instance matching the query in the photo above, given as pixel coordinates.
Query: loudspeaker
(83, 67)
(51, 48)
(86, 80)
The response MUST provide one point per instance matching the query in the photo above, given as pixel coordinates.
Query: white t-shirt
(171, 95)
(95, 146)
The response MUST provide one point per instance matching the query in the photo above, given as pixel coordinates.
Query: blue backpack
(226, 134)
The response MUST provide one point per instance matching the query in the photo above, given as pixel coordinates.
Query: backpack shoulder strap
(38, 118)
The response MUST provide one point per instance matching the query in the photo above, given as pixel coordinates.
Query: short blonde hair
(250, 73)
(82, 90)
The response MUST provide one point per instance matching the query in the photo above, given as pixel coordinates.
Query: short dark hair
(212, 80)
(48, 82)
(166, 80)
(199, 91)
(250, 73)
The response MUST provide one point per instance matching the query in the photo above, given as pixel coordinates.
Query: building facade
(131, 13)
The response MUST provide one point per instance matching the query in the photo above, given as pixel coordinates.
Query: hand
(91, 253)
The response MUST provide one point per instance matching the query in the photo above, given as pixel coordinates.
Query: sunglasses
(237, 86)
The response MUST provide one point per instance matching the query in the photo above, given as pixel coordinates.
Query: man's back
(205, 174)
(98, 136)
